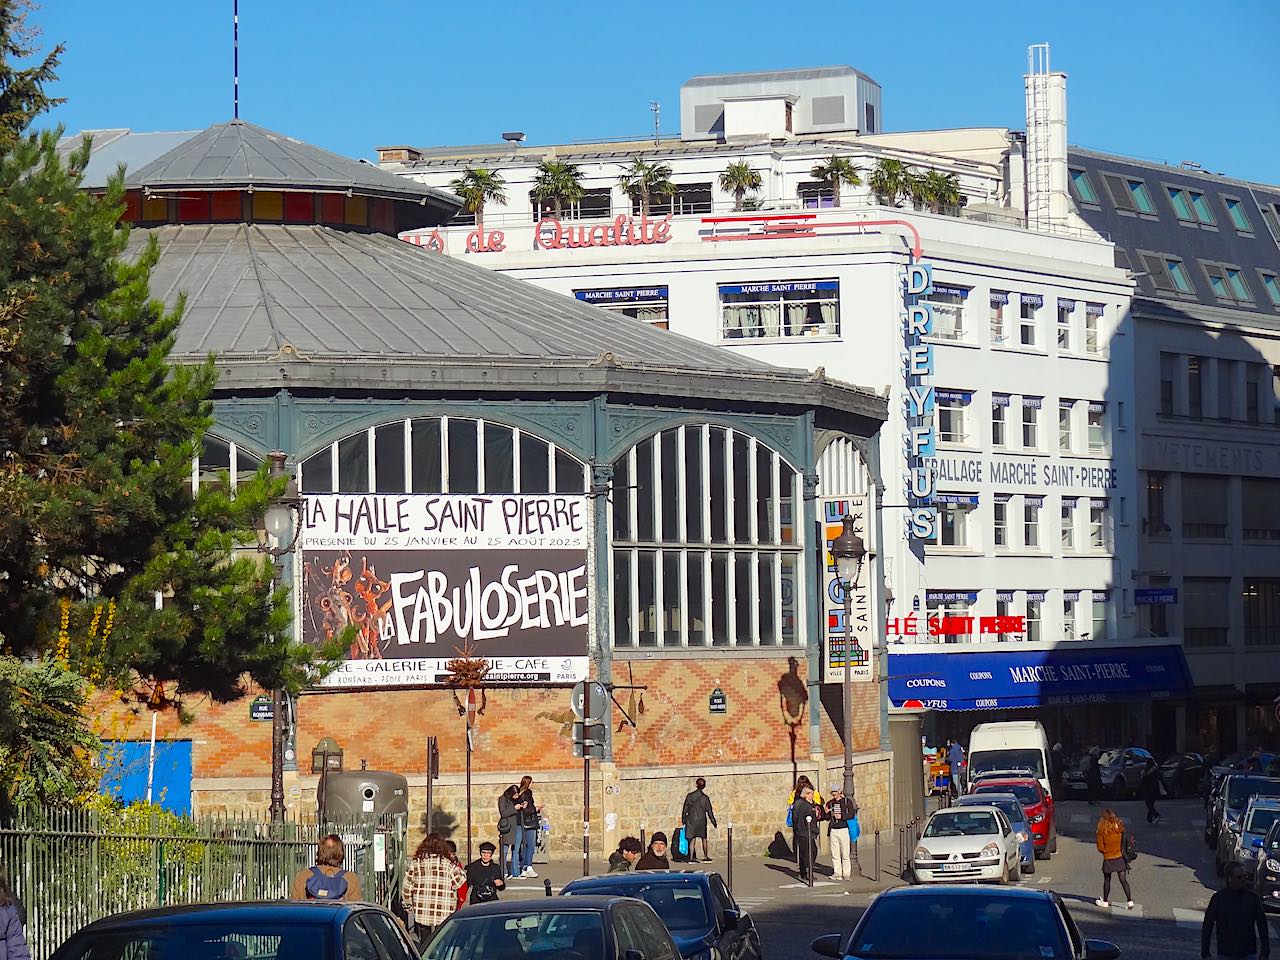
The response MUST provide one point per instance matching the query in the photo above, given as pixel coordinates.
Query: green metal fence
(70, 867)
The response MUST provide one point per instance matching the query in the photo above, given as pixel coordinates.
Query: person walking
(844, 849)
(484, 876)
(625, 857)
(1057, 769)
(528, 821)
(1149, 789)
(1093, 776)
(806, 817)
(694, 816)
(508, 826)
(1111, 844)
(655, 858)
(327, 880)
(955, 761)
(1237, 913)
(13, 943)
(431, 884)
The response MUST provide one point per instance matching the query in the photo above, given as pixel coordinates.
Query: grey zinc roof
(239, 155)
(111, 148)
(769, 76)
(334, 304)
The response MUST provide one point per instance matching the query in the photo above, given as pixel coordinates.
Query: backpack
(321, 886)
(1129, 847)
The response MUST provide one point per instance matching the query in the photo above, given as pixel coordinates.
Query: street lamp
(279, 524)
(849, 552)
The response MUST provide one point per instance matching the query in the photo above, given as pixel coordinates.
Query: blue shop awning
(1069, 673)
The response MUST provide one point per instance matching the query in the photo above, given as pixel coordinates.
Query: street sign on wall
(422, 576)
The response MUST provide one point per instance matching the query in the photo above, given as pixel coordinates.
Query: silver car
(967, 843)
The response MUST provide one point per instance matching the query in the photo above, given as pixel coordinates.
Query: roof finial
(235, 59)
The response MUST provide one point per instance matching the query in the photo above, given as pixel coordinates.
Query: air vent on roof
(514, 136)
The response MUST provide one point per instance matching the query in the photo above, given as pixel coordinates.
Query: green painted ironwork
(71, 867)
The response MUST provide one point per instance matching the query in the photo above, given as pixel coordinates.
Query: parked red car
(1037, 804)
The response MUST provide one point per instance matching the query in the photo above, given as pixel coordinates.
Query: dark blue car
(696, 907)
(280, 930)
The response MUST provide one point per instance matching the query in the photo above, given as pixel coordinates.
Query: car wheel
(1029, 868)
(1053, 842)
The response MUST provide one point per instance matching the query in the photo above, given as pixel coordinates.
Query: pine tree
(97, 435)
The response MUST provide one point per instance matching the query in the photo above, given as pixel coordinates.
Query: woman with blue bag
(843, 832)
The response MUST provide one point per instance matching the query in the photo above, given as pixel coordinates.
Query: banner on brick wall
(421, 576)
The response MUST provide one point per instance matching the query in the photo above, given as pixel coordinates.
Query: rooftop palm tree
(890, 181)
(557, 183)
(941, 191)
(836, 172)
(478, 186)
(739, 179)
(643, 181)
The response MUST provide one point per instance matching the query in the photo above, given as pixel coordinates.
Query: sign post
(590, 702)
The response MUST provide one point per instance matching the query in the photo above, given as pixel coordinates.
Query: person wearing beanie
(655, 858)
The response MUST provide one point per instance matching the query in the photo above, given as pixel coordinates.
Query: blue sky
(1172, 80)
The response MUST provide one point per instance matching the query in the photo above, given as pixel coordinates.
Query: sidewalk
(756, 879)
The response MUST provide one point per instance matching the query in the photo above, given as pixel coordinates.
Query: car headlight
(923, 854)
(991, 850)
(1022, 836)
(1273, 864)
(1038, 818)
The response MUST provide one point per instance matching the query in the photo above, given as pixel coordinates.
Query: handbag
(1129, 847)
(855, 830)
(789, 823)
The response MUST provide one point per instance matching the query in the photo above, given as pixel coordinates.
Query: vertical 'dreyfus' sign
(421, 577)
(919, 438)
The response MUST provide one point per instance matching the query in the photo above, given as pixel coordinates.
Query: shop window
(1029, 319)
(798, 308)
(1260, 506)
(708, 516)
(1261, 611)
(999, 424)
(948, 311)
(1204, 507)
(1206, 605)
(649, 304)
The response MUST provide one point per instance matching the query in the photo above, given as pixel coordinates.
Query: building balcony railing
(1261, 636)
(1205, 636)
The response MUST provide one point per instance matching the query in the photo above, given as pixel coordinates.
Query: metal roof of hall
(313, 306)
(240, 155)
(1162, 233)
(769, 76)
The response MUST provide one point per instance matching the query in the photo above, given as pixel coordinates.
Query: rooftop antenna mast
(656, 107)
(235, 59)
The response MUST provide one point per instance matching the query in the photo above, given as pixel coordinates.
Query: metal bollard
(643, 845)
(808, 845)
(877, 857)
(546, 885)
(728, 866)
(902, 847)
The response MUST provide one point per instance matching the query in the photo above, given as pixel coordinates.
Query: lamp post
(849, 552)
(279, 524)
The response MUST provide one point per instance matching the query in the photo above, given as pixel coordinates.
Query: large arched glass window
(443, 455)
(707, 542)
(221, 456)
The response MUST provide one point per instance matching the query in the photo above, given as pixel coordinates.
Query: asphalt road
(1172, 881)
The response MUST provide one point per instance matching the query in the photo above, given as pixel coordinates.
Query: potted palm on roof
(642, 181)
(740, 179)
(478, 186)
(835, 172)
(557, 184)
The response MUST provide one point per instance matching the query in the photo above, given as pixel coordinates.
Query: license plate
(950, 867)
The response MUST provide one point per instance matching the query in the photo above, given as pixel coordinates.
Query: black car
(282, 930)
(697, 908)
(1183, 774)
(553, 928)
(941, 923)
(1266, 877)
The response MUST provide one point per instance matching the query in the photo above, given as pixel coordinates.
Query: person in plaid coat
(431, 884)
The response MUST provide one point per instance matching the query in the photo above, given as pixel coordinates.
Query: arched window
(840, 470)
(221, 456)
(707, 542)
(443, 455)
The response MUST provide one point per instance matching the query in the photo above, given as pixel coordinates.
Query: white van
(1013, 745)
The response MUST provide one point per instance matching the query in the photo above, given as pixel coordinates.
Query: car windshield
(961, 823)
(1023, 791)
(681, 905)
(1110, 757)
(1260, 821)
(987, 760)
(1242, 788)
(942, 926)
(517, 937)
(212, 940)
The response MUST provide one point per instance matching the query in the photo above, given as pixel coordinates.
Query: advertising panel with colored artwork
(833, 613)
(423, 577)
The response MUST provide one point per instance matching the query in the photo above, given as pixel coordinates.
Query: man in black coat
(805, 819)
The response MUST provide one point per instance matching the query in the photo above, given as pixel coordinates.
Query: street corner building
(491, 467)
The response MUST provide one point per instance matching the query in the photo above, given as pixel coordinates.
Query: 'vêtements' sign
(421, 576)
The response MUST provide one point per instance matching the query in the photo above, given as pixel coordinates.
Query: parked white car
(966, 843)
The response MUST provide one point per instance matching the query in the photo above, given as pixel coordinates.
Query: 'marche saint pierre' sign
(421, 575)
